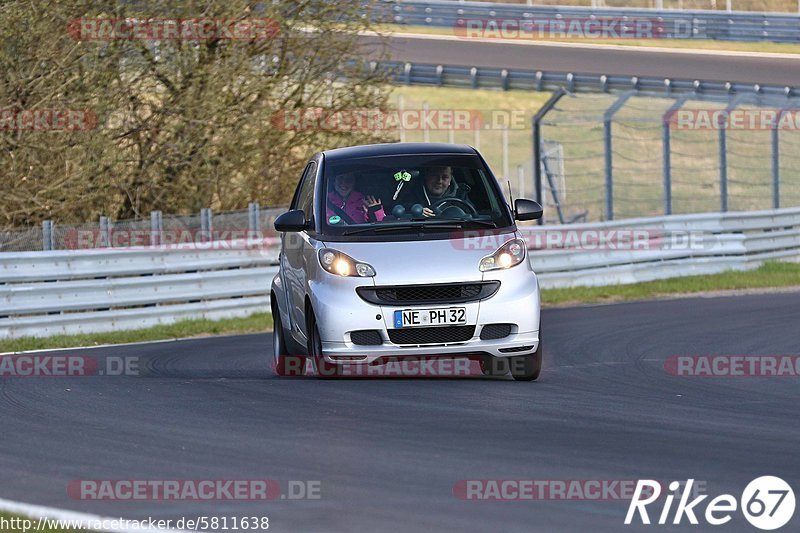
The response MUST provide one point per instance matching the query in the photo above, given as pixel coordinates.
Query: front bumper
(339, 311)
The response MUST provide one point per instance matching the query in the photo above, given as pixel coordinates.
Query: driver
(438, 184)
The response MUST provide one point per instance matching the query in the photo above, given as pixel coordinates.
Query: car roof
(375, 150)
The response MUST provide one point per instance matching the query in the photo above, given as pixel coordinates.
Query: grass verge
(257, 323)
(770, 275)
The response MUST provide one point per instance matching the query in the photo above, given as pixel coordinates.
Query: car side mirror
(527, 209)
(291, 221)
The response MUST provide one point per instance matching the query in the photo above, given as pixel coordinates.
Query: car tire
(322, 368)
(527, 367)
(494, 366)
(285, 365)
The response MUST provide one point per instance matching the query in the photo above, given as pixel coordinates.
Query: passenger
(350, 205)
(437, 184)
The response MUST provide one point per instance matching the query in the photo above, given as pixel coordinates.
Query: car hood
(431, 261)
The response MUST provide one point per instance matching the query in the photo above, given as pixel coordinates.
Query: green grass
(33, 525)
(770, 275)
(693, 44)
(256, 323)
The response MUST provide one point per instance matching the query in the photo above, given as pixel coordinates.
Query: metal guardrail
(734, 26)
(536, 80)
(88, 291)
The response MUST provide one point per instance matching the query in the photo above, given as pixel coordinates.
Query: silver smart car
(404, 250)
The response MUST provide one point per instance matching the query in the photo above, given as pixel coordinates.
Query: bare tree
(181, 121)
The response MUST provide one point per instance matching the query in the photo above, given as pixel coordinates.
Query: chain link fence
(654, 156)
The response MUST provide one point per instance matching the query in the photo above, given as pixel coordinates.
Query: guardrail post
(608, 119)
(537, 144)
(156, 228)
(48, 241)
(206, 227)
(104, 240)
(253, 220)
(473, 76)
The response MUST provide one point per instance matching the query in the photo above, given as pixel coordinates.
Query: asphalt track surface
(388, 452)
(594, 60)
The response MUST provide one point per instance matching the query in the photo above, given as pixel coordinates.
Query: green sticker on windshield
(334, 219)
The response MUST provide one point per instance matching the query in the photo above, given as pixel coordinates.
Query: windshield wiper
(395, 227)
(487, 223)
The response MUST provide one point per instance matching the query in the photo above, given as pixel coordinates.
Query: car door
(294, 256)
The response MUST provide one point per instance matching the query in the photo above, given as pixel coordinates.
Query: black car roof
(375, 150)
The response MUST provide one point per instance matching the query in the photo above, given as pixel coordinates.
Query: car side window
(304, 199)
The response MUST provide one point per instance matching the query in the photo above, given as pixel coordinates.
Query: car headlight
(341, 264)
(510, 254)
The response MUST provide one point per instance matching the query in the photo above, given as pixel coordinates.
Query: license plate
(410, 318)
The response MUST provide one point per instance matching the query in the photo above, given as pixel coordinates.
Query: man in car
(437, 184)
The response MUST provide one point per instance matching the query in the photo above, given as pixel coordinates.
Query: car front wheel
(285, 365)
(527, 367)
(322, 368)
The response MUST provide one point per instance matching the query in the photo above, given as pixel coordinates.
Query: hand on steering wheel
(463, 203)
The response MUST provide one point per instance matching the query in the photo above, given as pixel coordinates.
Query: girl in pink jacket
(349, 205)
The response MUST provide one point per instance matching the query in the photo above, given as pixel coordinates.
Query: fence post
(723, 167)
(401, 101)
(608, 118)
(776, 161)
(206, 227)
(504, 138)
(426, 133)
(104, 233)
(47, 235)
(666, 122)
(537, 144)
(723, 152)
(155, 228)
(253, 220)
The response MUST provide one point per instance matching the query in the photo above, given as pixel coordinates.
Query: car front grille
(431, 335)
(441, 293)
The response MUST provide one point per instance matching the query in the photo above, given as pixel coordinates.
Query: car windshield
(410, 193)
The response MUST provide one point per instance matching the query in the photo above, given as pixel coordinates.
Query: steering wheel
(466, 205)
